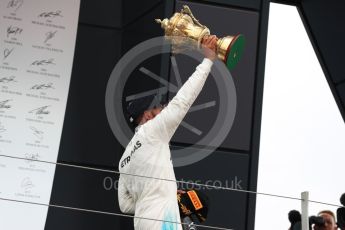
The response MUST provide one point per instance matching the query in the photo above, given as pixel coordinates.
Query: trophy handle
(187, 10)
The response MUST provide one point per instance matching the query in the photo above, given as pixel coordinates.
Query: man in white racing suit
(148, 155)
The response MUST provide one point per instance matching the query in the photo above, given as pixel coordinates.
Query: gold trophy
(185, 25)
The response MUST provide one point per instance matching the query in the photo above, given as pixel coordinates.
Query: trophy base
(234, 51)
(230, 49)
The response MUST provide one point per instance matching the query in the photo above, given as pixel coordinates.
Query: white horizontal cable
(169, 180)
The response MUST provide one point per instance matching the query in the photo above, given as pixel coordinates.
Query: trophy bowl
(185, 25)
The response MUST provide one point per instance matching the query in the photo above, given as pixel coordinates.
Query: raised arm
(164, 125)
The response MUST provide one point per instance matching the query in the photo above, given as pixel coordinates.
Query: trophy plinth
(185, 25)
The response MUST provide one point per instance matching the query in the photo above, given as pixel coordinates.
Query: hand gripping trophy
(185, 25)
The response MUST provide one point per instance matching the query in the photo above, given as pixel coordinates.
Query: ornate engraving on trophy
(184, 30)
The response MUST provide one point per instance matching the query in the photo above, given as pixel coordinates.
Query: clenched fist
(209, 46)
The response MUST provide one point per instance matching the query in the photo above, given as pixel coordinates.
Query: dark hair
(137, 107)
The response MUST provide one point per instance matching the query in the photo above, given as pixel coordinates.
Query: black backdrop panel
(143, 28)
(228, 22)
(252, 4)
(341, 90)
(82, 188)
(117, 13)
(85, 189)
(58, 218)
(325, 20)
(101, 13)
(86, 136)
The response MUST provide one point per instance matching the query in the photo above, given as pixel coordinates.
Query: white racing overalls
(148, 155)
